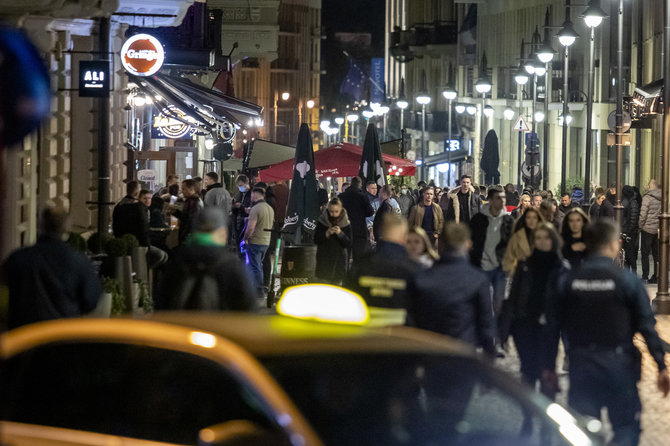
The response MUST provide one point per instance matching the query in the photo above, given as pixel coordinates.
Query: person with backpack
(203, 274)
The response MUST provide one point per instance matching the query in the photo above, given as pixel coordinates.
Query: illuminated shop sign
(142, 55)
(94, 78)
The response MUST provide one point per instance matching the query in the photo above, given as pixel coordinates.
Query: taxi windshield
(409, 399)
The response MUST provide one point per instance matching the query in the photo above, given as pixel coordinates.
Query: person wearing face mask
(405, 200)
(333, 239)
(525, 312)
(241, 203)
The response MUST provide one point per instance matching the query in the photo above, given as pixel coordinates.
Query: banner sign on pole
(377, 87)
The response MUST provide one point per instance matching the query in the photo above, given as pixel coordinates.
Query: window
(416, 399)
(127, 390)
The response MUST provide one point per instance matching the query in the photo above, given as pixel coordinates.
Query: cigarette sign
(142, 55)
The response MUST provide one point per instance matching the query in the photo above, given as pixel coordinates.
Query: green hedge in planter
(116, 247)
(95, 245)
(113, 287)
(76, 242)
(131, 243)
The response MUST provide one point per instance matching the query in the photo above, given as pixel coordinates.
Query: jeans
(649, 245)
(255, 254)
(156, 257)
(497, 278)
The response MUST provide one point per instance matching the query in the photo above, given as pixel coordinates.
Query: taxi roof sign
(324, 303)
(521, 125)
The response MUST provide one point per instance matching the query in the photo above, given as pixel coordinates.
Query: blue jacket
(454, 298)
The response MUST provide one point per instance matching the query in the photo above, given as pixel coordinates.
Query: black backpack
(200, 286)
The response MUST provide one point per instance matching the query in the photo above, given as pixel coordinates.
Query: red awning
(340, 160)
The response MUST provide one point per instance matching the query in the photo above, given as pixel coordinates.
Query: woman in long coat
(333, 239)
(526, 309)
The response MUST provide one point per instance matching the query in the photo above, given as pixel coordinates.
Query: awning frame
(190, 98)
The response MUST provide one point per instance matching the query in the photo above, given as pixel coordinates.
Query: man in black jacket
(125, 214)
(49, 280)
(461, 310)
(381, 278)
(358, 208)
(607, 207)
(491, 230)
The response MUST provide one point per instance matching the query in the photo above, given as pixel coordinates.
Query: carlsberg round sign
(142, 55)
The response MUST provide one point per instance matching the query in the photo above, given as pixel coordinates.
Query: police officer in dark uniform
(382, 277)
(599, 308)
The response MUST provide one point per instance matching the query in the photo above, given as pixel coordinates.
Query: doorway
(175, 160)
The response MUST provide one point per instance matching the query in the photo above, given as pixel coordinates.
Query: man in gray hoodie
(491, 230)
(216, 194)
(649, 213)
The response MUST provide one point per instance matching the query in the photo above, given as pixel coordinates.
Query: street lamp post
(285, 96)
(402, 104)
(593, 17)
(423, 99)
(521, 79)
(567, 37)
(483, 86)
(619, 116)
(449, 94)
(662, 301)
(545, 55)
(384, 110)
(339, 121)
(351, 119)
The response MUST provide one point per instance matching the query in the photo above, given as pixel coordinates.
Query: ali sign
(142, 55)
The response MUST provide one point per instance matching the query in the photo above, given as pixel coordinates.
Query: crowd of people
(485, 265)
(481, 265)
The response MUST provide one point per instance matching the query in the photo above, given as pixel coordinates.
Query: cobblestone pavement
(655, 409)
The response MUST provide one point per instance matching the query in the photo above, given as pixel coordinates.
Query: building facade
(56, 165)
(279, 52)
(496, 29)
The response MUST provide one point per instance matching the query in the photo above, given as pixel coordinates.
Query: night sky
(348, 16)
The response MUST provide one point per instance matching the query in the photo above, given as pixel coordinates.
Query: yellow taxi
(242, 379)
